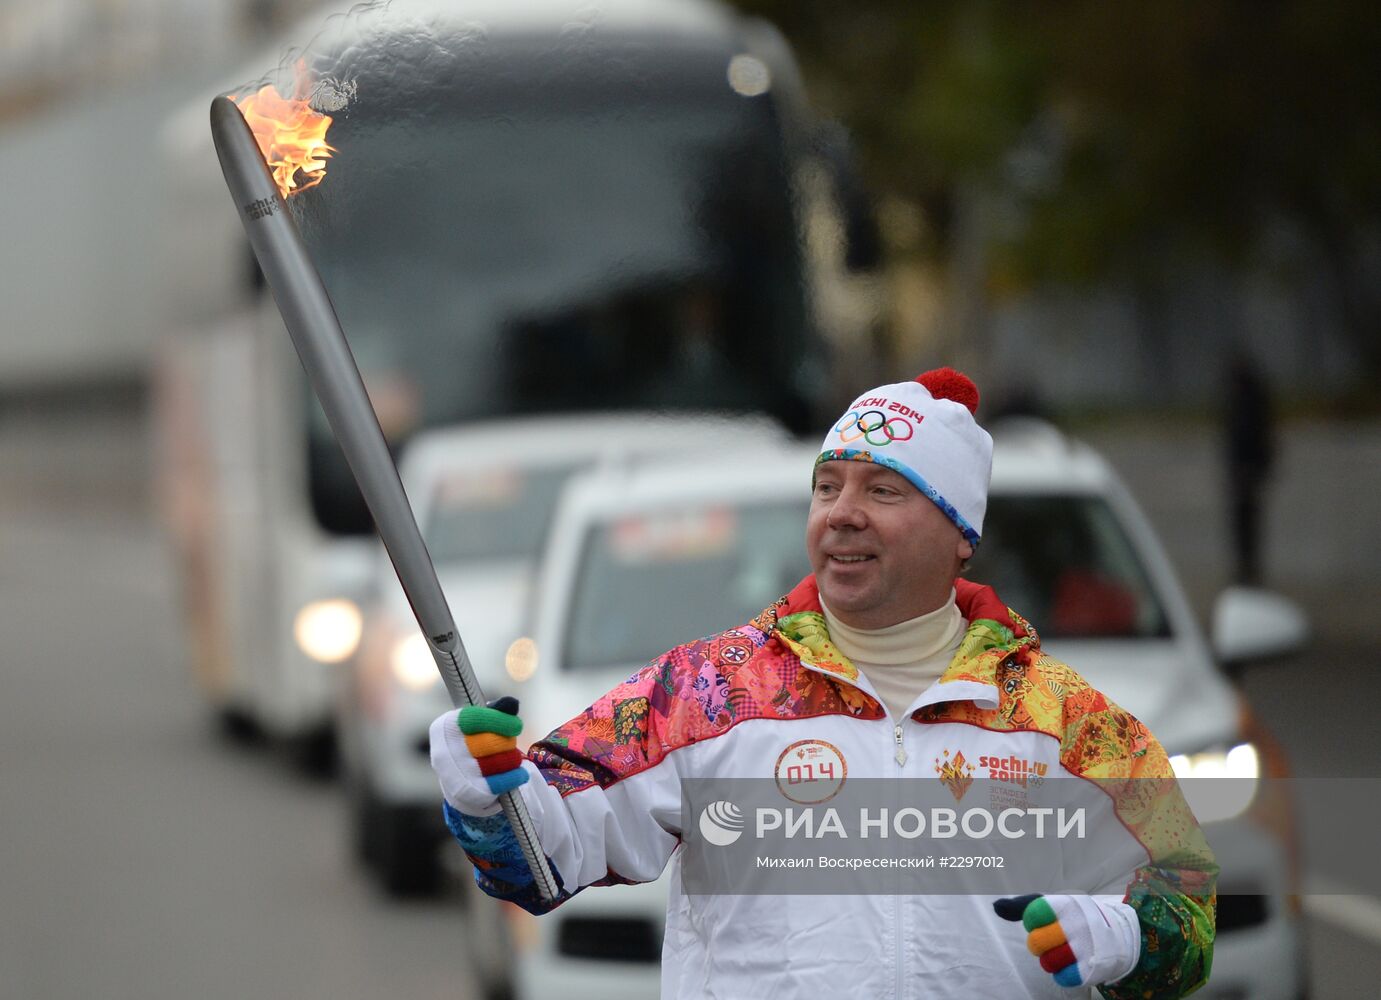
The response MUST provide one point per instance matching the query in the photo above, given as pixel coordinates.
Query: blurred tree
(1116, 140)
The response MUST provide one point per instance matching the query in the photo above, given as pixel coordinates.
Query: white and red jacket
(608, 810)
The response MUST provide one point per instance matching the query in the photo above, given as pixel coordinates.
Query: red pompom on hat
(946, 383)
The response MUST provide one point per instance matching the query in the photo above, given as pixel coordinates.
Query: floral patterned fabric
(696, 691)
(500, 868)
(1174, 893)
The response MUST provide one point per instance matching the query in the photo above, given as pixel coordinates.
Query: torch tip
(221, 107)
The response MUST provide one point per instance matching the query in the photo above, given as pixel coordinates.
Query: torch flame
(291, 137)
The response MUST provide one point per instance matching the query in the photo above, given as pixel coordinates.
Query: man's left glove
(1081, 940)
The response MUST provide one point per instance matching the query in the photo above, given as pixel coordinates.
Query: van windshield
(493, 513)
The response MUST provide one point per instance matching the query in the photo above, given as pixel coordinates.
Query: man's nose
(847, 510)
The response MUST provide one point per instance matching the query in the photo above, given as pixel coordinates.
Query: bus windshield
(577, 241)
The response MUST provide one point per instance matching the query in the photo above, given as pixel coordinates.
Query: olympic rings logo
(873, 427)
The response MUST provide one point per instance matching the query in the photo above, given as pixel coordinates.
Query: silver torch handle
(316, 333)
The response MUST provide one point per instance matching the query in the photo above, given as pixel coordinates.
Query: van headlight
(412, 664)
(520, 660)
(1219, 783)
(328, 631)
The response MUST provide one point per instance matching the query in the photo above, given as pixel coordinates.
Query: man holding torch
(884, 653)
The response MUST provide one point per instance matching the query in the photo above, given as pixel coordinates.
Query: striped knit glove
(1081, 940)
(475, 755)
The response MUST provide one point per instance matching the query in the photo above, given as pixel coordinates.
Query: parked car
(483, 494)
(1064, 544)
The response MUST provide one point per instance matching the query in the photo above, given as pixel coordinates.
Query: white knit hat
(924, 430)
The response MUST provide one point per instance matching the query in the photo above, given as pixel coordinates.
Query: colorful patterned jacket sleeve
(603, 812)
(500, 868)
(1173, 890)
(602, 836)
(607, 809)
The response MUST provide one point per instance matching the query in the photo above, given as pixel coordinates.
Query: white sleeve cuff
(1122, 937)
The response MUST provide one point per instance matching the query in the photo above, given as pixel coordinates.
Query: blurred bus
(538, 208)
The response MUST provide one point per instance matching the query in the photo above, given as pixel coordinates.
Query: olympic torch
(316, 333)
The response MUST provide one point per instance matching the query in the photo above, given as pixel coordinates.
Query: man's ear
(965, 549)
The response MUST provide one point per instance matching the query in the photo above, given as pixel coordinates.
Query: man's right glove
(1080, 940)
(475, 755)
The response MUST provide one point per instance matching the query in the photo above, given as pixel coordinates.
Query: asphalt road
(144, 858)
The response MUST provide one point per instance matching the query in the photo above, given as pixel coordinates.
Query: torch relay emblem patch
(955, 773)
(810, 771)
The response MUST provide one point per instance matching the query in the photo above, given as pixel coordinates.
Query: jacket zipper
(897, 901)
(900, 756)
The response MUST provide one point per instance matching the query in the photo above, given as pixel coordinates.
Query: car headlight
(328, 631)
(1220, 783)
(412, 663)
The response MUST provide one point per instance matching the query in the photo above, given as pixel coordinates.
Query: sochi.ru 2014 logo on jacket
(1015, 770)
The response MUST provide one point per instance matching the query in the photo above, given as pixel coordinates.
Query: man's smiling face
(882, 552)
